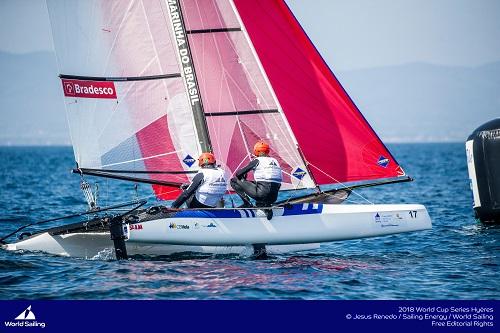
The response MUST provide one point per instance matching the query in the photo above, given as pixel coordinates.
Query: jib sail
(337, 141)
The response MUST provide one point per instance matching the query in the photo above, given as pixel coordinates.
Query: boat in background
(150, 85)
(483, 162)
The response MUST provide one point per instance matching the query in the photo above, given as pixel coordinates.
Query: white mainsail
(136, 51)
(128, 46)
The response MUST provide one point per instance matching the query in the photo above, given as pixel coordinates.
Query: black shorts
(264, 193)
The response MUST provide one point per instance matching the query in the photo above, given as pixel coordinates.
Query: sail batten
(239, 113)
(124, 78)
(206, 31)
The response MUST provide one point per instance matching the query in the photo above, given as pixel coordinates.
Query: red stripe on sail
(154, 140)
(332, 133)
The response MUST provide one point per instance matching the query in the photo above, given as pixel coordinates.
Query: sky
(350, 34)
(373, 36)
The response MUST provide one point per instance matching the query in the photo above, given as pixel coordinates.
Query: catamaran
(151, 84)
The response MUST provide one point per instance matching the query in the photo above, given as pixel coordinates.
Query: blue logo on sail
(299, 173)
(383, 161)
(188, 160)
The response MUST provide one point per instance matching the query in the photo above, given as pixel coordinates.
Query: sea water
(457, 259)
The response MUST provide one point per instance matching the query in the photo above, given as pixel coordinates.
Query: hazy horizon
(423, 61)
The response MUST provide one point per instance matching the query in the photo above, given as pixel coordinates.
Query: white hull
(234, 231)
(98, 245)
(307, 223)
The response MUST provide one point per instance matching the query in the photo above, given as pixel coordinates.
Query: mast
(189, 74)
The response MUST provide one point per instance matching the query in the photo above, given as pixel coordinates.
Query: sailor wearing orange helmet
(208, 186)
(267, 178)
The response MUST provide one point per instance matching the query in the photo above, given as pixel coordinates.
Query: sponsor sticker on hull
(89, 89)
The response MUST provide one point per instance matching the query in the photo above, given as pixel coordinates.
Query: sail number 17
(413, 214)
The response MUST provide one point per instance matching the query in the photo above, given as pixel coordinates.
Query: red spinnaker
(335, 138)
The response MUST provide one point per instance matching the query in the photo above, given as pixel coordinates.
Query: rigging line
(250, 78)
(123, 97)
(268, 83)
(255, 86)
(231, 98)
(238, 86)
(348, 97)
(219, 100)
(217, 138)
(154, 47)
(204, 77)
(58, 64)
(219, 17)
(240, 113)
(212, 121)
(285, 135)
(170, 40)
(295, 189)
(236, 169)
(92, 38)
(242, 63)
(106, 63)
(140, 159)
(113, 44)
(137, 205)
(342, 184)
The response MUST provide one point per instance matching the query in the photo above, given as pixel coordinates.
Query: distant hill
(423, 102)
(407, 103)
(31, 105)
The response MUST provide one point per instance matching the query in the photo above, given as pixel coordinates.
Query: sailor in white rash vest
(267, 178)
(207, 188)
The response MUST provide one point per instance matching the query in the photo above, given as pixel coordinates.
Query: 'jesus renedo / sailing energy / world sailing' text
(180, 38)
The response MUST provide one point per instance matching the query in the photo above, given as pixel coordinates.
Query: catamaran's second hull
(293, 228)
(98, 245)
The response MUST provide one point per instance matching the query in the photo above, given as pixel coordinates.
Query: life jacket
(213, 187)
(268, 170)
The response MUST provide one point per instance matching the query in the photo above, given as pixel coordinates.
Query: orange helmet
(206, 158)
(261, 148)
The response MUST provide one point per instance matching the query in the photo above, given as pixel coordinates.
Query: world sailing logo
(188, 160)
(26, 315)
(383, 161)
(299, 173)
(89, 89)
(25, 319)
